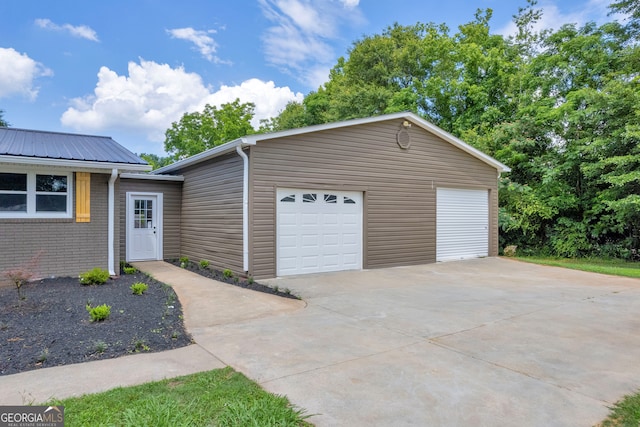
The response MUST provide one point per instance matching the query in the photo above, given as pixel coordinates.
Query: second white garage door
(462, 224)
(318, 231)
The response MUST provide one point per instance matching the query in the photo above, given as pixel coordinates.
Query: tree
(199, 131)
(3, 122)
(156, 161)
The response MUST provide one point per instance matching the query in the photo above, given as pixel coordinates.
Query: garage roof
(65, 149)
(411, 117)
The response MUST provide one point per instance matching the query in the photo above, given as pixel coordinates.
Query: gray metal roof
(64, 146)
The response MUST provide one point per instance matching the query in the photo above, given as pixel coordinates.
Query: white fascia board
(151, 177)
(76, 165)
(205, 155)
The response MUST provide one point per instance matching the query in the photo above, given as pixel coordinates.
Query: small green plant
(250, 280)
(204, 263)
(100, 347)
(95, 276)
(184, 261)
(139, 288)
(228, 274)
(130, 270)
(43, 356)
(99, 312)
(139, 345)
(276, 288)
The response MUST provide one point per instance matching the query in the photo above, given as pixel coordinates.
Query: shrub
(139, 288)
(184, 260)
(510, 250)
(228, 274)
(99, 313)
(22, 274)
(130, 270)
(95, 276)
(204, 263)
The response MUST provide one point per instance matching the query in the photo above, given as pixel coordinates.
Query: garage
(318, 231)
(462, 224)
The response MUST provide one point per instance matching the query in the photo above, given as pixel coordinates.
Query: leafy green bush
(138, 288)
(130, 270)
(95, 276)
(204, 263)
(99, 313)
(184, 260)
(228, 274)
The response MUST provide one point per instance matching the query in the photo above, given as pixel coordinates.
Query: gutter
(245, 209)
(111, 222)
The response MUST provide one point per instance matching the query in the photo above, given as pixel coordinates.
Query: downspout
(111, 228)
(245, 209)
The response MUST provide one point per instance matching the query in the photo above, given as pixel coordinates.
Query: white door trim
(130, 196)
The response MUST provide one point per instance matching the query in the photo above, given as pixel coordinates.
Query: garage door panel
(462, 224)
(318, 231)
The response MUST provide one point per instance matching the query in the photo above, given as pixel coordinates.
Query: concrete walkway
(205, 302)
(487, 342)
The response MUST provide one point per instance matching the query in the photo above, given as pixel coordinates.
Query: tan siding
(212, 212)
(172, 200)
(69, 248)
(399, 186)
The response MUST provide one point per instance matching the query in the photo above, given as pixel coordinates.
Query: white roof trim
(413, 118)
(205, 155)
(105, 167)
(151, 177)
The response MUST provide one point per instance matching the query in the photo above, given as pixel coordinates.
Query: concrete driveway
(490, 342)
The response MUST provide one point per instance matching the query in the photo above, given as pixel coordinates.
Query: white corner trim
(245, 208)
(111, 226)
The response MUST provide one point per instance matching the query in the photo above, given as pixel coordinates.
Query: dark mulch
(52, 326)
(235, 280)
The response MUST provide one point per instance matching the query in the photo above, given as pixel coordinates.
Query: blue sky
(129, 68)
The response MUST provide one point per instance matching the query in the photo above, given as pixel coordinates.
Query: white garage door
(462, 224)
(318, 231)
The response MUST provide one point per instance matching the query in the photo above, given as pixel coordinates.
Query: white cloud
(81, 31)
(18, 73)
(553, 17)
(204, 43)
(299, 41)
(155, 95)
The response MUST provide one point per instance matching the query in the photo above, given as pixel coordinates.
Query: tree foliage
(3, 122)
(561, 108)
(200, 131)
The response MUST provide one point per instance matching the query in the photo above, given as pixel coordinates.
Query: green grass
(221, 397)
(615, 267)
(625, 413)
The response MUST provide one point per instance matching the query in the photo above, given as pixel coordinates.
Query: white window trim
(31, 194)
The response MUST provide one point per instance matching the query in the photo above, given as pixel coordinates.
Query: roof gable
(22, 145)
(411, 117)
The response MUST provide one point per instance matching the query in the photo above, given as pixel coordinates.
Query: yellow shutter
(83, 197)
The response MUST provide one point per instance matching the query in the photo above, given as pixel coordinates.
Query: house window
(35, 195)
(289, 199)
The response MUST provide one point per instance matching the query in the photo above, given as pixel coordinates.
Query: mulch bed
(51, 326)
(235, 280)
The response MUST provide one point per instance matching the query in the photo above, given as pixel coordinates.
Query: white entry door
(144, 226)
(462, 224)
(318, 231)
